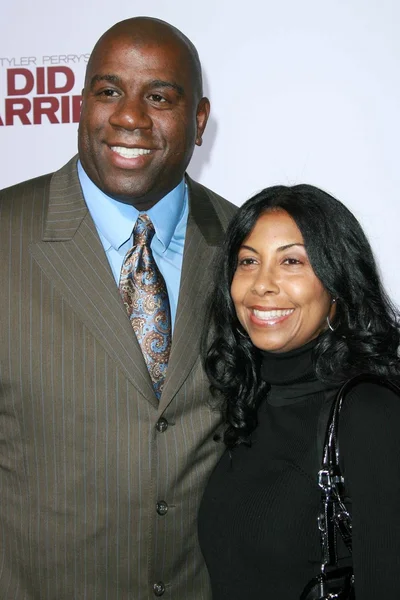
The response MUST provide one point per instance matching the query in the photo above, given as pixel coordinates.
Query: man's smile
(130, 152)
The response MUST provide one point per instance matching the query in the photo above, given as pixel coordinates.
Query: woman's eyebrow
(286, 246)
(244, 246)
(279, 249)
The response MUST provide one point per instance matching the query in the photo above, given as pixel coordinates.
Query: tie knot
(143, 231)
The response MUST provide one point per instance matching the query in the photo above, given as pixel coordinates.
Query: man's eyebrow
(159, 83)
(167, 84)
(105, 77)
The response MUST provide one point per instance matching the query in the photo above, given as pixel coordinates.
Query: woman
(298, 308)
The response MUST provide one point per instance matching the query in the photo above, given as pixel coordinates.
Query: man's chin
(140, 198)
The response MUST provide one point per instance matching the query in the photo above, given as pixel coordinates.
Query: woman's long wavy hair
(366, 338)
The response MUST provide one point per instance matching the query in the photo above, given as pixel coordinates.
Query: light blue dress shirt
(115, 221)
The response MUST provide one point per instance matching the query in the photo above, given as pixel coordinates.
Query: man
(103, 456)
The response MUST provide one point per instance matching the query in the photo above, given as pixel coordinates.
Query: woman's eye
(292, 261)
(247, 261)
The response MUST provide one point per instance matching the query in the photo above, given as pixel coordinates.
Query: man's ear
(203, 112)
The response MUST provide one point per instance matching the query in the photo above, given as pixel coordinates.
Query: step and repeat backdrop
(301, 91)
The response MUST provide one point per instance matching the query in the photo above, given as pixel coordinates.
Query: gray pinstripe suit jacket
(82, 462)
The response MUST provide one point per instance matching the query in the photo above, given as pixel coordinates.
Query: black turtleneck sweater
(257, 521)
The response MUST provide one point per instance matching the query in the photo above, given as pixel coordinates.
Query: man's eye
(157, 98)
(109, 93)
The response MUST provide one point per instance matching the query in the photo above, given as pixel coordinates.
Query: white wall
(301, 92)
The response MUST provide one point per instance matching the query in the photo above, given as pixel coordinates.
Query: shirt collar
(115, 220)
(167, 213)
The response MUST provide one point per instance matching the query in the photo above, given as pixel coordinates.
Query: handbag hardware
(334, 582)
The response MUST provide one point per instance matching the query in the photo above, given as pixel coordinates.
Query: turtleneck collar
(281, 368)
(291, 375)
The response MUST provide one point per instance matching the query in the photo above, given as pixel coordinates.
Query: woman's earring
(330, 324)
(241, 333)
(328, 321)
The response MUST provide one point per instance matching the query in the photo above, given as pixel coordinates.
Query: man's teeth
(271, 314)
(129, 152)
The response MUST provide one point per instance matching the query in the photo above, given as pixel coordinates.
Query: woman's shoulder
(372, 397)
(371, 408)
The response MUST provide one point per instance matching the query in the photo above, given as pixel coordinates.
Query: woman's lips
(270, 316)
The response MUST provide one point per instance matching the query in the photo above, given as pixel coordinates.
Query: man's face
(141, 117)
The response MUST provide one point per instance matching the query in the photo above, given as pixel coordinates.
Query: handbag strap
(334, 516)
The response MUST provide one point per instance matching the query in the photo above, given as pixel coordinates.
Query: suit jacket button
(162, 508)
(158, 588)
(162, 425)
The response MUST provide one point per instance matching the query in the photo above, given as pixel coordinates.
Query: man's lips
(130, 157)
(130, 152)
(263, 316)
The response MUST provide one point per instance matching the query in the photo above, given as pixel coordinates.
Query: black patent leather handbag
(334, 582)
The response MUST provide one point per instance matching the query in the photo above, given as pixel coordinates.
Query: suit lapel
(73, 258)
(204, 235)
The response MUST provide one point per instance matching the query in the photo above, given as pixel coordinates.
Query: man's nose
(131, 114)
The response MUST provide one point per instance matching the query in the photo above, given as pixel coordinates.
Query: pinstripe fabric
(82, 464)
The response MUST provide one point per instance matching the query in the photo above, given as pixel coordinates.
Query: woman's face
(279, 300)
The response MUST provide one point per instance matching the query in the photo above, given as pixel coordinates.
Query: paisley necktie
(145, 296)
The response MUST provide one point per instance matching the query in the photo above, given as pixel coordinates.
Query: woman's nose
(265, 283)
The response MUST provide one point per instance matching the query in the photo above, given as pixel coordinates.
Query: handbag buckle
(324, 480)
